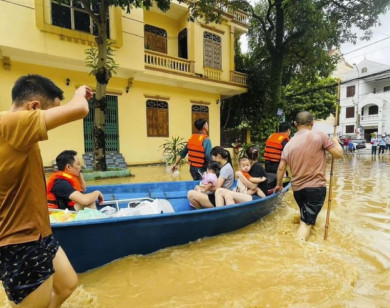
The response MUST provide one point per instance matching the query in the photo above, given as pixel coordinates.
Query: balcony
(238, 77)
(238, 16)
(370, 117)
(161, 62)
(167, 63)
(241, 17)
(212, 73)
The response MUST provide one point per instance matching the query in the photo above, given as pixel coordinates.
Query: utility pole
(357, 124)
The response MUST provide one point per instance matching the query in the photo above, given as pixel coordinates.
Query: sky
(377, 49)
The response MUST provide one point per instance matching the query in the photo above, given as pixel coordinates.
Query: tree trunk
(277, 59)
(102, 77)
(276, 83)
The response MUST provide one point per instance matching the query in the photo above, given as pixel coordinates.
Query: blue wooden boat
(93, 243)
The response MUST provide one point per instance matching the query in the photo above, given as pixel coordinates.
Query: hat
(199, 123)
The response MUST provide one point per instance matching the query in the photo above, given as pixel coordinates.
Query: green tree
(290, 37)
(101, 60)
(318, 96)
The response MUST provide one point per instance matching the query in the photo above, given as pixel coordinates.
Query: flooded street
(263, 265)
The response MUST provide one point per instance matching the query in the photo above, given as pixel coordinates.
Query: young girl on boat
(226, 179)
(209, 178)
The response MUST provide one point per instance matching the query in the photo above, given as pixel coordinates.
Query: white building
(365, 100)
(341, 70)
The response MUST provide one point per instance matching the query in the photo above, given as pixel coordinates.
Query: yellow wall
(69, 136)
(34, 46)
(168, 24)
(134, 144)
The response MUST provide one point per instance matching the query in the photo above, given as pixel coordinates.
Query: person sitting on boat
(226, 179)
(245, 165)
(210, 178)
(66, 186)
(198, 149)
(257, 173)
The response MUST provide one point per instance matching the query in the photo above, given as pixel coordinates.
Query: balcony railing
(369, 117)
(165, 62)
(239, 16)
(237, 77)
(212, 73)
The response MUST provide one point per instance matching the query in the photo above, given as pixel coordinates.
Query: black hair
(64, 158)
(284, 127)
(304, 118)
(35, 87)
(199, 123)
(222, 152)
(214, 165)
(252, 152)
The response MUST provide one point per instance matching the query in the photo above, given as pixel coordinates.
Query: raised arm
(75, 109)
(83, 185)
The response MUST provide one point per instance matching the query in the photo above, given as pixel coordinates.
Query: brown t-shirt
(305, 154)
(23, 206)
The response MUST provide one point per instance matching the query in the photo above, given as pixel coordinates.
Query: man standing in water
(34, 270)
(305, 154)
(198, 149)
(274, 147)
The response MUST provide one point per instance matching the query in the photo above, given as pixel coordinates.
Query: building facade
(365, 101)
(171, 71)
(341, 70)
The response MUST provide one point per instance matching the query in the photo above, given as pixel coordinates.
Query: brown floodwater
(262, 265)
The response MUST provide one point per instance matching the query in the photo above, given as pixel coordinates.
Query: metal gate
(111, 126)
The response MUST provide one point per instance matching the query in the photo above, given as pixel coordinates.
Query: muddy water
(262, 265)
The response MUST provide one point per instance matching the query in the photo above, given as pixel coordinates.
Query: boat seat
(176, 194)
(121, 196)
(157, 194)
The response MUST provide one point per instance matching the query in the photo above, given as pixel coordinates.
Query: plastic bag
(108, 210)
(61, 216)
(88, 213)
(146, 207)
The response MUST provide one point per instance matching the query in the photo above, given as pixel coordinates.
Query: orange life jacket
(196, 154)
(273, 147)
(51, 198)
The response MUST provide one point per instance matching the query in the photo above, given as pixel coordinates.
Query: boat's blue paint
(92, 243)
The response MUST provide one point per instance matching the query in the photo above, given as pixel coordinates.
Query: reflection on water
(262, 265)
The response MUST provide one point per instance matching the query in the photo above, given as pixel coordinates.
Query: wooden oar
(332, 165)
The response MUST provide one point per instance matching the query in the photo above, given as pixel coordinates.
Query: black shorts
(24, 267)
(212, 199)
(310, 201)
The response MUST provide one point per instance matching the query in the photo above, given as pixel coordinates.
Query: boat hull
(93, 243)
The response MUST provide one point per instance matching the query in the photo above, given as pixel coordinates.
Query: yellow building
(171, 71)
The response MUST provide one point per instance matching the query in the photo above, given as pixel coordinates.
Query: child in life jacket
(209, 178)
(245, 165)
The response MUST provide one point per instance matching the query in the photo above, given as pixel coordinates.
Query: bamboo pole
(332, 165)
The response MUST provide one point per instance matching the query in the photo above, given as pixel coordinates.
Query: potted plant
(171, 150)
